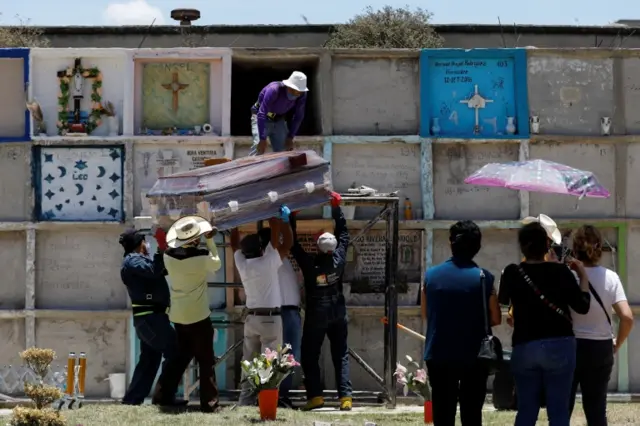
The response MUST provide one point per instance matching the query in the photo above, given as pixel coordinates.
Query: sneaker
(313, 403)
(346, 403)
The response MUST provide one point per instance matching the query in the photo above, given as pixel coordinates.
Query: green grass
(116, 415)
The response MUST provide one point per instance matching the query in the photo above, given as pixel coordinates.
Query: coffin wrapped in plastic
(243, 190)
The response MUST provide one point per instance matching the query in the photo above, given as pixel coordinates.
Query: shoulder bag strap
(597, 297)
(484, 302)
(542, 297)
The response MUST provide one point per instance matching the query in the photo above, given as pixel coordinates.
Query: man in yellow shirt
(188, 266)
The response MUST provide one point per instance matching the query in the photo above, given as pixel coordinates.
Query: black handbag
(490, 354)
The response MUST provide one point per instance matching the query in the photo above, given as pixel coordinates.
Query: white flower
(264, 374)
(409, 358)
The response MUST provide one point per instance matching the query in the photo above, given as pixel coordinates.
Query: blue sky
(124, 12)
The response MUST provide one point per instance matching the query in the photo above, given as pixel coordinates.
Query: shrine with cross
(174, 98)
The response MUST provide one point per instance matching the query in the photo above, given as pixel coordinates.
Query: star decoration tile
(81, 183)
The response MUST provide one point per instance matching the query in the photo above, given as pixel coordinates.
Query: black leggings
(594, 363)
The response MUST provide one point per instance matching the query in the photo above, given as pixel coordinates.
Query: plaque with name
(474, 94)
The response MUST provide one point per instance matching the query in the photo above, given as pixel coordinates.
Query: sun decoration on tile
(81, 184)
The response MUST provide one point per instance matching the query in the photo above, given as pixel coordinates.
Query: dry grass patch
(116, 415)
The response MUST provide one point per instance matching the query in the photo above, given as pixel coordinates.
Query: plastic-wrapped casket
(244, 190)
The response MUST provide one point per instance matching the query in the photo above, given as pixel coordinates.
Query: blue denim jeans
(291, 334)
(325, 315)
(276, 132)
(544, 365)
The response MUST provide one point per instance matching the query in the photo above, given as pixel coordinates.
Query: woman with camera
(596, 346)
(544, 346)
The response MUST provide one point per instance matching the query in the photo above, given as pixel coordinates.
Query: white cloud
(134, 12)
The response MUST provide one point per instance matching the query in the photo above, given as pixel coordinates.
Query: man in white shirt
(290, 312)
(258, 271)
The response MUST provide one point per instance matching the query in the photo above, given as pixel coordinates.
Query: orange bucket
(428, 412)
(268, 404)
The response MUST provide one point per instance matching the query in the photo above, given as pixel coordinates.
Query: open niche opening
(248, 78)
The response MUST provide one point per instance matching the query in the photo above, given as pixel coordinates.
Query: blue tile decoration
(19, 53)
(475, 94)
(79, 183)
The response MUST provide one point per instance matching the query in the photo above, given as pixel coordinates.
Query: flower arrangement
(39, 361)
(416, 382)
(64, 79)
(269, 369)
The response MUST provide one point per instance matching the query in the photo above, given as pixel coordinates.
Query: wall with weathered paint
(70, 197)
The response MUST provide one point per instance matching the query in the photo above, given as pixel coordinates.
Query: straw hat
(186, 230)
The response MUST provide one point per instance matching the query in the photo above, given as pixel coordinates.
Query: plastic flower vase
(428, 413)
(268, 404)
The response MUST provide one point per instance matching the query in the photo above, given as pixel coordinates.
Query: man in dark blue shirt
(456, 327)
(144, 278)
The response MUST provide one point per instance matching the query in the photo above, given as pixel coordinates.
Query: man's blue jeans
(544, 364)
(291, 334)
(276, 132)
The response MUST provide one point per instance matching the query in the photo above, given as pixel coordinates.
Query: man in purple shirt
(268, 115)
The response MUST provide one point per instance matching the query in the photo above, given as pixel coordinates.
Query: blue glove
(284, 213)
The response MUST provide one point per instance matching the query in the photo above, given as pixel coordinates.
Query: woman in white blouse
(596, 345)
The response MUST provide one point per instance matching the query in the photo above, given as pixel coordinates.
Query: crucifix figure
(476, 102)
(175, 86)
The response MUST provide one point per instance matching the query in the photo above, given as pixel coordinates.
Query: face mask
(292, 97)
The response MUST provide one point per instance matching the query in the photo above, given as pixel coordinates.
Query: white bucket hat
(548, 224)
(297, 81)
(187, 229)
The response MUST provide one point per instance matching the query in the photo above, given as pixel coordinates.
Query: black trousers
(195, 341)
(452, 383)
(594, 363)
(157, 339)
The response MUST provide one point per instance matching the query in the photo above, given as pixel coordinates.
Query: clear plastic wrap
(244, 190)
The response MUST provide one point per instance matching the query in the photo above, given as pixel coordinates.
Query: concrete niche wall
(385, 167)
(570, 93)
(13, 342)
(103, 340)
(633, 265)
(15, 161)
(112, 63)
(79, 269)
(376, 96)
(455, 199)
(632, 165)
(12, 265)
(14, 68)
(597, 158)
(631, 94)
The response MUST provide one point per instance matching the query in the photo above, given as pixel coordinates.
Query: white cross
(477, 102)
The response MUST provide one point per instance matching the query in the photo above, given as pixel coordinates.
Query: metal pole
(391, 305)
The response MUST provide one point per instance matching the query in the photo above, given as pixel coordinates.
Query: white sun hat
(548, 224)
(187, 229)
(297, 81)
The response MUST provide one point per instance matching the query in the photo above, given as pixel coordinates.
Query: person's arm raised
(213, 261)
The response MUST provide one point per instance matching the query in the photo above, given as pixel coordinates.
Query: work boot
(346, 403)
(313, 403)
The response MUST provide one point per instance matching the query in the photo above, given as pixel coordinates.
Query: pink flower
(270, 355)
(421, 376)
(400, 369)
